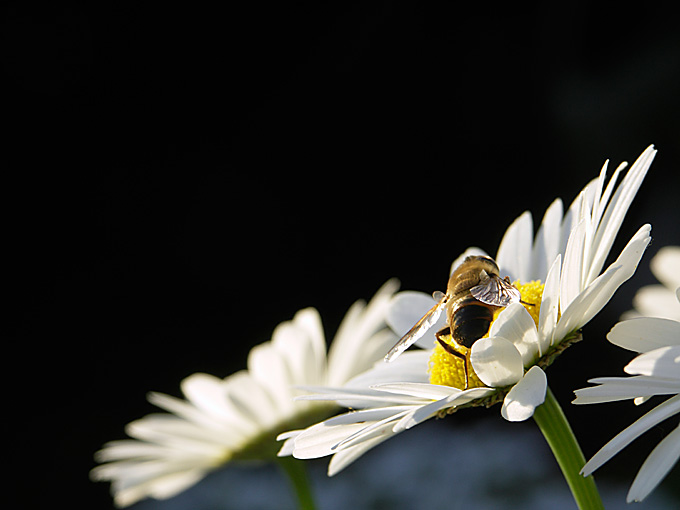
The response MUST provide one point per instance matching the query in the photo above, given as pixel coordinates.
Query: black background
(183, 178)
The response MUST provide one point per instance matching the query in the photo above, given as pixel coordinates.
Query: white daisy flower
(659, 300)
(238, 417)
(656, 371)
(559, 275)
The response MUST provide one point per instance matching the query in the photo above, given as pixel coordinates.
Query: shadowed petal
(626, 436)
(656, 466)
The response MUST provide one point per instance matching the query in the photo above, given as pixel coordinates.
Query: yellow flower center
(448, 370)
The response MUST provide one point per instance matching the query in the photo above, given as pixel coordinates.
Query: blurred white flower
(656, 372)
(659, 300)
(567, 254)
(239, 417)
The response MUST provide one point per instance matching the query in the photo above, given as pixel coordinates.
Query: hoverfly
(474, 292)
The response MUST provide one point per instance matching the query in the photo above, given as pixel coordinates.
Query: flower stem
(557, 432)
(297, 475)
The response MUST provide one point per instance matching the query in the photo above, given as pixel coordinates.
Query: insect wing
(496, 292)
(426, 322)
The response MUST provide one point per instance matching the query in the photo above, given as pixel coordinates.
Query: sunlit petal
(496, 361)
(525, 396)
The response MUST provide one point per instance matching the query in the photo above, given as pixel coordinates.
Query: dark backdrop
(183, 178)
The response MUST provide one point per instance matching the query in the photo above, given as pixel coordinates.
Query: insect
(474, 292)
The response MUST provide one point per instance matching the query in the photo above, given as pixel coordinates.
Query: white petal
(515, 324)
(645, 334)
(362, 337)
(420, 390)
(600, 201)
(372, 430)
(514, 252)
(300, 344)
(666, 266)
(656, 466)
(288, 445)
(409, 367)
(571, 219)
(657, 301)
(589, 302)
(617, 208)
(572, 269)
(547, 244)
(273, 373)
(252, 401)
(238, 424)
(663, 362)
(626, 436)
(319, 440)
(525, 396)
(612, 389)
(421, 413)
(359, 397)
(159, 486)
(549, 313)
(572, 317)
(207, 393)
(496, 361)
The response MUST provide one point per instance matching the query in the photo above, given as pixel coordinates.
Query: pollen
(449, 370)
(531, 292)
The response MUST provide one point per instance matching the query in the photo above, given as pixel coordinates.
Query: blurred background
(180, 179)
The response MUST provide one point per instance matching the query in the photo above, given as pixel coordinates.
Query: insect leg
(451, 350)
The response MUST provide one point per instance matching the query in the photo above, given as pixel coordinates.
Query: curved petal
(617, 208)
(515, 324)
(525, 396)
(496, 361)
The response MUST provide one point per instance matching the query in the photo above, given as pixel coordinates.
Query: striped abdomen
(470, 320)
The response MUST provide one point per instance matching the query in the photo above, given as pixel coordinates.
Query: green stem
(295, 469)
(557, 432)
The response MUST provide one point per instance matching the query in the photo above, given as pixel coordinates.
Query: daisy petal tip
(523, 399)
